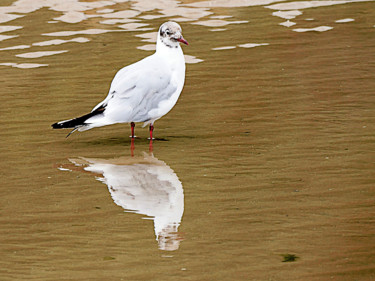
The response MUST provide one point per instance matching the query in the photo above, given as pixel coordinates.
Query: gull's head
(170, 34)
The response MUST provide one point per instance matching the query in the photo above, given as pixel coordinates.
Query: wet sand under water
(264, 170)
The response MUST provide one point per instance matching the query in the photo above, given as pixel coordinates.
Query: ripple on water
(75, 11)
(218, 29)
(318, 29)
(192, 59)
(287, 23)
(218, 23)
(18, 47)
(223, 48)
(252, 45)
(246, 45)
(232, 3)
(147, 47)
(61, 41)
(6, 37)
(116, 21)
(148, 37)
(92, 31)
(288, 15)
(310, 4)
(345, 20)
(105, 11)
(33, 55)
(6, 28)
(126, 14)
(221, 17)
(135, 26)
(23, 65)
(5, 17)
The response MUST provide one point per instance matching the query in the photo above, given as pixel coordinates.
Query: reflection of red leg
(151, 131)
(151, 148)
(132, 124)
(132, 147)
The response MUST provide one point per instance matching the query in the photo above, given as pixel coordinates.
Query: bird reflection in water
(144, 185)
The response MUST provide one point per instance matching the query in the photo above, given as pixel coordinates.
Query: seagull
(141, 92)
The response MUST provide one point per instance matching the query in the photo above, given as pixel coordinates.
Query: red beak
(182, 40)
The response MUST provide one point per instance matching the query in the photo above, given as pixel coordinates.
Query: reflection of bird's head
(170, 34)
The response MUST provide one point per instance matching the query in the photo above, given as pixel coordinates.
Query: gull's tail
(78, 123)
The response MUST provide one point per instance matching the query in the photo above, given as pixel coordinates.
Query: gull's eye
(168, 32)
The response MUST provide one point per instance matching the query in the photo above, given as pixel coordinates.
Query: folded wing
(138, 93)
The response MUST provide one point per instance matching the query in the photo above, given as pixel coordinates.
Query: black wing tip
(56, 126)
(79, 121)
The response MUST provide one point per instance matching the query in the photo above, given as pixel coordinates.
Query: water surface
(268, 154)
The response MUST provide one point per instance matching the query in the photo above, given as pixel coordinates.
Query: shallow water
(264, 170)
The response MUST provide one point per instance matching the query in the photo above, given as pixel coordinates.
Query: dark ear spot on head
(161, 32)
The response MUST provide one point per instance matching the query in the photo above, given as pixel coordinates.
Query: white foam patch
(29, 65)
(151, 17)
(171, 9)
(105, 11)
(148, 47)
(72, 17)
(297, 5)
(6, 28)
(71, 33)
(6, 37)
(287, 23)
(125, 14)
(23, 65)
(18, 47)
(117, 21)
(232, 3)
(182, 19)
(344, 20)
(133, 26)
(223, 48)
(5, 17)
(192, 59)
(318, 29)
(252, 45)
(246, 45)
(64, 169)
(148, 37)
(60, 41)
(66, 6)
(288, 15)
(221, 17)
(217, 23)
(33, 55)
(79, 40)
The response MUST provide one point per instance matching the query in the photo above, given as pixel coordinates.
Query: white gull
(141, 92)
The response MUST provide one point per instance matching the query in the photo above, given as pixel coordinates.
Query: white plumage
(141, 92)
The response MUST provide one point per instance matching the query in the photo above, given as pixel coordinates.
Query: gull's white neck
(172, 51)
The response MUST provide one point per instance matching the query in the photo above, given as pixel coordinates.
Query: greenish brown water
(269, 153)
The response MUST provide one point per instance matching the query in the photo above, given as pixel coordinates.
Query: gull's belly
(164, 106)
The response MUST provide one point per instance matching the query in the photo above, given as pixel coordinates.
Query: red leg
(132, 147)
(132, 124)
(151, 131)
(150, 148)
